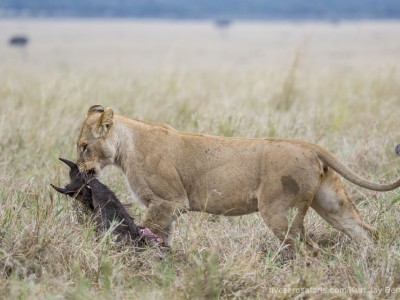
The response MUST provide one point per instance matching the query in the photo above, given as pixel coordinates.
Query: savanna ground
(333, 84)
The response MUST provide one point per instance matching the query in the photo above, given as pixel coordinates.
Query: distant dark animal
(398, 149)
(18, 41)
(105, 207)
(222, 23)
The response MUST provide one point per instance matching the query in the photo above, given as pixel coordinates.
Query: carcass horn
(69, 163)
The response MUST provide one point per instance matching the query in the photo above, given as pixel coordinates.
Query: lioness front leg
(160, 217)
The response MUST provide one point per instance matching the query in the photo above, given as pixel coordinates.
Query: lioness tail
(334, 163)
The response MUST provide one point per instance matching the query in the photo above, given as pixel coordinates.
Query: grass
(342, 91)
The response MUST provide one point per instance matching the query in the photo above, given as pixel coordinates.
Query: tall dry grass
(345, 95)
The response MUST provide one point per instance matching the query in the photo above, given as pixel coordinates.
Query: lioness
(171, 172)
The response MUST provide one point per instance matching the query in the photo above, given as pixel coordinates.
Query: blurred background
(122, 35)
(207, 9)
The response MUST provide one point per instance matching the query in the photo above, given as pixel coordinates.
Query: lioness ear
(95, 108)
(105, 122)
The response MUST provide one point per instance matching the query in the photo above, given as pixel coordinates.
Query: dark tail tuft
(397, 149)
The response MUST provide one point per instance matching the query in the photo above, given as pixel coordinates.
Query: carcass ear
(105, 122)
(95, 108)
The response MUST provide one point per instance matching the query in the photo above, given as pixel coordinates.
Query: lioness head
(96, 145)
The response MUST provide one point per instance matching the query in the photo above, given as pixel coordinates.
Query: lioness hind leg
(332, 203)
(287, 227)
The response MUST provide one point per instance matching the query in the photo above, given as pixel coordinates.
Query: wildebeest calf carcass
(105, 207)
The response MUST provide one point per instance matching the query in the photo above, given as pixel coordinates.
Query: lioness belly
(224, 196)
(227, 207)
(223, 177)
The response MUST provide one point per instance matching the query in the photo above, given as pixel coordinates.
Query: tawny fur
(172, 172)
